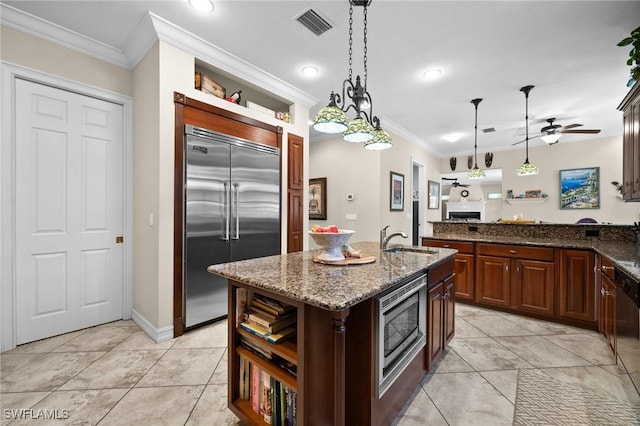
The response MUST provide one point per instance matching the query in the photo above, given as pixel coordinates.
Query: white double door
(68, 211)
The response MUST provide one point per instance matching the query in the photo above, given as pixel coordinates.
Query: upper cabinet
(630, 107)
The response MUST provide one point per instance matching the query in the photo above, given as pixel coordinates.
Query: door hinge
(119, 239)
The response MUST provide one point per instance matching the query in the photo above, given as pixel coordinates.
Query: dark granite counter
(331, 287)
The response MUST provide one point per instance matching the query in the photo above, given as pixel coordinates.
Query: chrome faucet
(385, 239)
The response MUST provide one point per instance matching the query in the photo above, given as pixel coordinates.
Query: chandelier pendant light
(476, 173)
(365, 127)
(526, 168)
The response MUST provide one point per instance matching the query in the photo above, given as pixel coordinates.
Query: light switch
(150, 219)
(351, 216)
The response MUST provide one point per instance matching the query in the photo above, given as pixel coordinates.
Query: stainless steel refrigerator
(232, 213)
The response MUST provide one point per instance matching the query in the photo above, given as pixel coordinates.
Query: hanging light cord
(526, 90)
(475, 141)
(350, 40)
(365, 48)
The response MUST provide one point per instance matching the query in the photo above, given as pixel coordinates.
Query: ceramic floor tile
(210, 336)
(97, 339)
(48, 372)
(120, 323)
(464, 311)
(17, 403)
(450, 362)
(505, 381)
(540, 327)
(84, 407)
(116, 369)
(11, 362)
(593, 348)
(211, 408)
(219, 375)
(47, 345)
(141, 341)
(497, 325)
(163, 406)
(183, 367)
(468, 399)
(541, 352)
(465, 330)
(420, 412)
(487, 354)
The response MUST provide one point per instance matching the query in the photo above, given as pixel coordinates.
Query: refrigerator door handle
(227, 210)
(235, 211)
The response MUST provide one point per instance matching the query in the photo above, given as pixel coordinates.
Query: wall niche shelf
(517, 201)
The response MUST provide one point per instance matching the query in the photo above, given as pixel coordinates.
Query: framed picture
(318, 198)
(434, 194)
(580, 188)
(397, 192)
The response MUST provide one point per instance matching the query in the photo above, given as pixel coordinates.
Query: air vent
(314, 22)
(489, 130)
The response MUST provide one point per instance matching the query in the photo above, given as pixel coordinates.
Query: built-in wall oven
(401, 329)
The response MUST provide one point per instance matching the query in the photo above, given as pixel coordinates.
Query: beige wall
(605, 153)
(28, 51)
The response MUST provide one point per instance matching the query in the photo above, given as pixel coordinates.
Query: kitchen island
(336, 350)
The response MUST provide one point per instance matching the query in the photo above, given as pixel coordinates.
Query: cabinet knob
(446, 246)
(506, 268)
(513, 251)
(602, 291)
(608, 268)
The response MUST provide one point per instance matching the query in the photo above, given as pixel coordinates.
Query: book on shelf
(263, 333)
(255, 348)
(265, 402)
(270, 305)
(272, 325)
(241, 304)
(282, 418)
(255, 388)
(287, 366)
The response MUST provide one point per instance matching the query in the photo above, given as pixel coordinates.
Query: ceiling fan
(551, 133)
(455, 182)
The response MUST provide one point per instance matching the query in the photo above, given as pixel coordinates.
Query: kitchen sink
(418, 250)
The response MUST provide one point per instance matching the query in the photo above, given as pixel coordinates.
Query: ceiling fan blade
(584, 131)
(571, 126)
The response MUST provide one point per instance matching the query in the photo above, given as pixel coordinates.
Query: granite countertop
(330, 287)
(625, 255)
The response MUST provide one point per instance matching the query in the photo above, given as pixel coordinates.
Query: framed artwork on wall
(397, 192)
(318, 198)
(580, 188)
(434, 194)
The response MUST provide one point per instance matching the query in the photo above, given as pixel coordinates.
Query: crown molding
(38, 27)
(151, 29)
(393, 127)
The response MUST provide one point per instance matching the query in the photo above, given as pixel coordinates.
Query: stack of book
(270, 319)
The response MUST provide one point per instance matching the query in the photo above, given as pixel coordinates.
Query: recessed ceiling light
(452, 137)
(204, 6)
(432, 74)
(310, 71)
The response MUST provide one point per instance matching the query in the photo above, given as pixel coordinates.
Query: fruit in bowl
(330, 239)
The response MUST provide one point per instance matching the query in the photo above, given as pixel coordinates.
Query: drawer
(440, 272)
(607, 267)
(461, 246)
(516, 251)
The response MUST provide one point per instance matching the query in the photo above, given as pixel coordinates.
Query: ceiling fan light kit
(526, 169)
(333, 119)
(476, 173)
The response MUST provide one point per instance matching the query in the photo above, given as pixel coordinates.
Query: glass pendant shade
(527, 169)
(476, 173)
(551, 138)
(381, 141)
(359, 130)
(330, 119)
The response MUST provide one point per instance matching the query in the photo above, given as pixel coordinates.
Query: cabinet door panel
(534, 286)
(493, 283)
(435, 326)
(449, 301)
(464, 270)
(576, 293)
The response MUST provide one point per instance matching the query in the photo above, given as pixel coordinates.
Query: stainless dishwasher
(628, 325)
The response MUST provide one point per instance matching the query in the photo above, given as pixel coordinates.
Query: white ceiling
(567, 49)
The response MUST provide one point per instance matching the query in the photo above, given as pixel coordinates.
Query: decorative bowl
(331, 243)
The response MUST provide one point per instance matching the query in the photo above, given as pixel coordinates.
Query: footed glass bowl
(331, 244)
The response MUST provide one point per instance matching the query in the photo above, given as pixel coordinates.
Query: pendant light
(476, 173)
(526, 168)
(333, 119)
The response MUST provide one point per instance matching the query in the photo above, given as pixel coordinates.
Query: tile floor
(115, 375)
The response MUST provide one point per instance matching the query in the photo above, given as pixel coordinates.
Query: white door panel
(69, 210)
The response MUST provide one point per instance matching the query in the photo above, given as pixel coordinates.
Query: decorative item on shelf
(333, 119)
(619, 187)
(488, 159)
(452, 163)
(331, 243)
(532, 193)
(526, 168)
(207, 85)
(634, 55)
(287, 117)
(476, 173)
(235, 97)
(510, 193)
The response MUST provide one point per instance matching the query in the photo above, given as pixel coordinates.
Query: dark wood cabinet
(441, 298)
(534, 287)
(576, 286)
(464, 265)
(630, 107)
(493, 286)
(295, 207)
(607, 307)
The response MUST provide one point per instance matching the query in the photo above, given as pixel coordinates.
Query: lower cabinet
(464, 265)
(607, 308)
(576, 289)
(441, 317)
(534, 287)
(494, 281)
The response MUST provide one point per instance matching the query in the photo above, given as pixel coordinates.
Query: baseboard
(157, 334)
